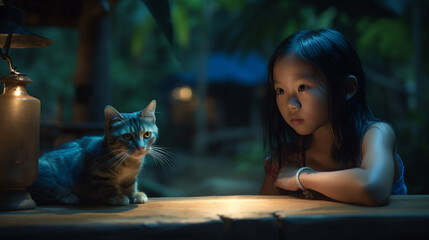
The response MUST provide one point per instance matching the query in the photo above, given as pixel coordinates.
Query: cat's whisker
(114, 157)
(163, 151)
(122, 159)
(111, 162)
(111, 152)
(115, 164)
(157, 160)
(164, 161)
(152, 156)
(162, 157)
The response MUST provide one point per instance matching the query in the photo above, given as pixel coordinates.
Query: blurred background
(204, 62)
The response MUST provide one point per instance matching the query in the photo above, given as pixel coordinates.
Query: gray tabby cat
(99, 169)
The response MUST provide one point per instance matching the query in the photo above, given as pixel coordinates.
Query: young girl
(323, 138)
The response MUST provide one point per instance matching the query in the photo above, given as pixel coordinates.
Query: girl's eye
(127, 136)
(280, 91)
(302, 88)
(147, 135)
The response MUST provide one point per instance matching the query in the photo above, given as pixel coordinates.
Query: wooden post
(92, 77)
(201, 82)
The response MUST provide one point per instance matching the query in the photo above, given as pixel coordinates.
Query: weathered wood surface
(226, 217)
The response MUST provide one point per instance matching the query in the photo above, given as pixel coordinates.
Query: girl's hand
(287, 178)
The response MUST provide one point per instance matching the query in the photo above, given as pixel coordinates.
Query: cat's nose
(141, 149)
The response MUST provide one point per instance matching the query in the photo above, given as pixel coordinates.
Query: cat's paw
(118, 200)
(69, 200)
(139, 197)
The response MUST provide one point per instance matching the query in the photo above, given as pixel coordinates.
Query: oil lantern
(19, 117)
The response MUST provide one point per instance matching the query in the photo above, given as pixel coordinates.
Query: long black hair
(333, 60)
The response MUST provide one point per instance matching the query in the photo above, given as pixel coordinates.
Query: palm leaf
(160, 10)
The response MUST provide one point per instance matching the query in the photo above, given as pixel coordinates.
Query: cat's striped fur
(99, 170)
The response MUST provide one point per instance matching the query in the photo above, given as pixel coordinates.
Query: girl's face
(301, 102)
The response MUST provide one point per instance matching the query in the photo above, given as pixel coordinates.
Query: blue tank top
(399, 187)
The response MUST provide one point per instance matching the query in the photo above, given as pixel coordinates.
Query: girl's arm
(268, 187)
(371, 184)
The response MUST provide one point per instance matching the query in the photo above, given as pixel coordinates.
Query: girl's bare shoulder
(379, 135)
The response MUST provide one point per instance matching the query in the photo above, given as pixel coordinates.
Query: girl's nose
(293, 103)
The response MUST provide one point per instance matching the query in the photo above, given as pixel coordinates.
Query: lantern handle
(5, 55)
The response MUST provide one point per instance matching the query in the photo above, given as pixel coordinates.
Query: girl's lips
(296, 121)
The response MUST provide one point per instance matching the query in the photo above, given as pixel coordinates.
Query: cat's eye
(127, 136)
(147, 135)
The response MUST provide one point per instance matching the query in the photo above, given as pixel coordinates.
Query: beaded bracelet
(307, 193)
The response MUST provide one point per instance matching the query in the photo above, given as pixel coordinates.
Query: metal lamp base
(16, 200)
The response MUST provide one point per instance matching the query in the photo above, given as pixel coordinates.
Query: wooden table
(226, 217)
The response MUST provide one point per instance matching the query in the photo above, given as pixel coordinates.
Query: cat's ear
(149, 111)
(110, 114)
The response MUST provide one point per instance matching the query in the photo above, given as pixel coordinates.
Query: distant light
(183, 93)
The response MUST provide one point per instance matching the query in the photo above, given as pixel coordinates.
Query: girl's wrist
(299, 182)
